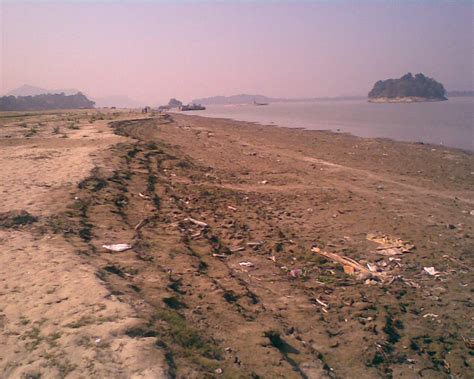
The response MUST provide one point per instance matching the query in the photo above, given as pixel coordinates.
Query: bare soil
(245, 294)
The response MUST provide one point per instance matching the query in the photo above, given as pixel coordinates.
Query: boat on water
(259, 104)
(192, 107)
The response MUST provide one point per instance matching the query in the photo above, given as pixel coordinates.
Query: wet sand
(246, 294)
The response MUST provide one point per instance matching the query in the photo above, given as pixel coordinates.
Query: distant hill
(119, 101)
(44, 102)
(249, 99)
(407, 89)
(28, 90)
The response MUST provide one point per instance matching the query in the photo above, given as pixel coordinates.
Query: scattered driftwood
(349, 265)
(469, 342)
(255, 244)
(196, 235)
(223, 256)
(237, 249)
(322, 303)
(465, 266)
(141, 224)
(196, 222)
(390, 246)
(409, 283)
(144, 196)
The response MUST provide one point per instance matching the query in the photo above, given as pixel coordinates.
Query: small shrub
(33, 131)
(86, 234)
(73, 126)
(174, 303)
(93, 184)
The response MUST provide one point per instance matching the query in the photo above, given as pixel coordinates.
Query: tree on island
(174, 103)
(45, 101)
(418, 86)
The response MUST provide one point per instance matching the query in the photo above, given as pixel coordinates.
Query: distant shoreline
(406, 99)
(413, 123)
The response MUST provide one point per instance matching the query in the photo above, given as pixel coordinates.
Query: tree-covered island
(407, 89)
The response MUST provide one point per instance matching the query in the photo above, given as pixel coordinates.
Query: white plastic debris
(247, 264)
(196, 222)
(223, 256)
(118, 247)
(372, 267)
(322, 303)
(431, 270)
(255, 244)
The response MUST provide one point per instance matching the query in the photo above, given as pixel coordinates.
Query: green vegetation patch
(93, 184)
(14, 219)
(186, 340)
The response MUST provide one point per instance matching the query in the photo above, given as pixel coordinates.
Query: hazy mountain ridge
(29, 90)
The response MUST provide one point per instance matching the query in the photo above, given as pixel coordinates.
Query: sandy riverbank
(268, 196)
(57, 319)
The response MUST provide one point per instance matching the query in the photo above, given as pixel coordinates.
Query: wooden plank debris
(349, 265)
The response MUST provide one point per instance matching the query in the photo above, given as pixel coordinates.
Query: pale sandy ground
(56, 317)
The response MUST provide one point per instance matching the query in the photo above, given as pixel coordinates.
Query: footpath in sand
(56, 317)
(256, 252)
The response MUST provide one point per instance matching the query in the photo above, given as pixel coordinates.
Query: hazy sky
(154, 50)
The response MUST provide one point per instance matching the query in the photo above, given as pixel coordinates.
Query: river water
(449, 123)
